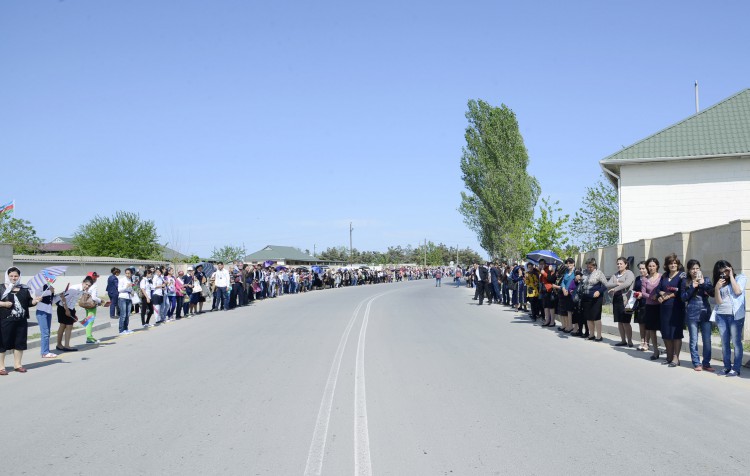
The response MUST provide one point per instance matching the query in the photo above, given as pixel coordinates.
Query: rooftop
(722, 130)
(277, 253)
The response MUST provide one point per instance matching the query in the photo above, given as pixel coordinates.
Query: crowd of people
(158, 293)
(662, 301)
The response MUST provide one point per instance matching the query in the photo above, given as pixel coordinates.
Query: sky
(249, 123)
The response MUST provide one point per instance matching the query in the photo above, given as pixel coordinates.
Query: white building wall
(661, 198)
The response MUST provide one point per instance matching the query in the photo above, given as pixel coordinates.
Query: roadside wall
(730, 241)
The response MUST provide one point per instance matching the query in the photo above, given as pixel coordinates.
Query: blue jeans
(705, 329)
(172, 302)
(220, 298)
(124, 307)
(45, 321)
(731, 328)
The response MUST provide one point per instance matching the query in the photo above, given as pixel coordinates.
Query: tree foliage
(125, 235)
(19, 233)
(501, 194)
(227, 253)
(548, 231)
(597, 223)
(437, 255)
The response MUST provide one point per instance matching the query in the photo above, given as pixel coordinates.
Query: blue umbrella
(549, 256)
(279, 268)
(316, 269)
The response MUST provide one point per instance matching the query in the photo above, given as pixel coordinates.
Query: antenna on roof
(696, 97)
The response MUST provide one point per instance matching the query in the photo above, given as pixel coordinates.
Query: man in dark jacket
(112, 291)
(495, 283)
(483, 284)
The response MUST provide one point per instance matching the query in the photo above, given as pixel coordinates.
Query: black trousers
(147, 310)
(485, 290)
(535, 307)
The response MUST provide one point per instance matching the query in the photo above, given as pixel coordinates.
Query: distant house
(62, 244)
(282, 255)
(172, 255)
(694, 174)
(59, 244)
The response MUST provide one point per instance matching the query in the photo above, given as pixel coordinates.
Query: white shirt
(146, 287)
(221, 278)
(124, 287)
(158, 281)
(94, 291)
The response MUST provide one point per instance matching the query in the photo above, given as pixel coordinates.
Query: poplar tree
(501, 195)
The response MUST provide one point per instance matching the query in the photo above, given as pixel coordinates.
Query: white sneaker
(124, 333)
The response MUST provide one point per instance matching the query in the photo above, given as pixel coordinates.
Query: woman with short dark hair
(594, 284)
(639, 312)
(672, 309)
(649, 295)
(619, 285)
(564, 297)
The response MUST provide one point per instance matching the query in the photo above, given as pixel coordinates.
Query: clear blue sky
(239, 122)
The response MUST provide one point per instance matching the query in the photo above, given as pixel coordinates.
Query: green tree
(125, 235)
(19, 233)
(339, 253)
(501, 194)
(597, 223)
(548, 230)
(228, 253)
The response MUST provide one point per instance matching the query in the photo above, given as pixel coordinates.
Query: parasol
(549, 256)
(45, 276)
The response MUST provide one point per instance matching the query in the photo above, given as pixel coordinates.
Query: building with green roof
(694, 174)
(282, 255)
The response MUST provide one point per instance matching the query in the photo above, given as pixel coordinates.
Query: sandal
(3, 372)
(21, 370)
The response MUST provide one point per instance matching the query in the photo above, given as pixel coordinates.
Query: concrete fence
(730, 242)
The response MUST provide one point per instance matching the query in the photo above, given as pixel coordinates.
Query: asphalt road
(398, 379)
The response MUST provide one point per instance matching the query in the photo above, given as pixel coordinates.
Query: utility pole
(425, 252)
(456, 254)
(314, 250)
(350, 243)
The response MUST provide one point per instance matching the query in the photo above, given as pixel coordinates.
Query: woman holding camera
(729, 294)
(671, 309)
(695, 290)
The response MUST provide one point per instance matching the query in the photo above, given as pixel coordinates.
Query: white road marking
(362, 461)
(320, 435)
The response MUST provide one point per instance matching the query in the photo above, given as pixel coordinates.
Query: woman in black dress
(15, 301)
